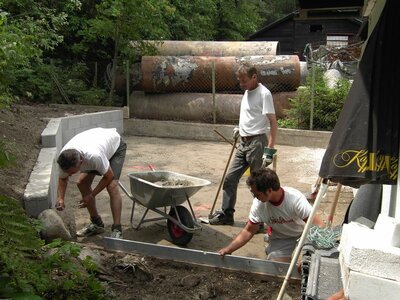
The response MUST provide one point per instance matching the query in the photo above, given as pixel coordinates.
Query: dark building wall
(308, 32)
(293, 35)
(284, 33)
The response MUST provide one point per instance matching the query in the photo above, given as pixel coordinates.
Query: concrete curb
(206, 132)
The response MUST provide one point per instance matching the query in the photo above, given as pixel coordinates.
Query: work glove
(235, 133)
(268, 156)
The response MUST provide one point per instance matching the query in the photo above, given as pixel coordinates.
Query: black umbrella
(364, 147)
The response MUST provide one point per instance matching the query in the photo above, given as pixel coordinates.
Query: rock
(331, 77)
(95, 256)
(53, 226)
(190, 281)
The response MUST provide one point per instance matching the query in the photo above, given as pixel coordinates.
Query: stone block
(36, 195)
(49, 134)
(366, 250)
(389, 228)
(362, 286)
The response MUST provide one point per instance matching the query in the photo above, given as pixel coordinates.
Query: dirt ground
(297, 167)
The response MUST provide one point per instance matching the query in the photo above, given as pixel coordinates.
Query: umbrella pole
(334, 204)
(321, 193)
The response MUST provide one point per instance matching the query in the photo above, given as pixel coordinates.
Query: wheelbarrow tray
(163, 188)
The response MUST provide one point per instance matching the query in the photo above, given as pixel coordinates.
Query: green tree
(120, 21)
(192, 20)
(27, 30)
(78, 33)
(276, 9)
(237, 19)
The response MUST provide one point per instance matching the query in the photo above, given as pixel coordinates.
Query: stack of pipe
(178, 82)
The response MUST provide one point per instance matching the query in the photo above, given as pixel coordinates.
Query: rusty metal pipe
(196, 107)
(166, 74)
(214, 48)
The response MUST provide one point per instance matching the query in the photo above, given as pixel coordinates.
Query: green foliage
(20, 271)
(79, 32)
(327, 103)
(5, 158)
(276, 9)
(74, 282)
(287, 123)
(40, 83)
(27, 30)
(30, 270)
(119, 22)
(200, 26)
(238, 19)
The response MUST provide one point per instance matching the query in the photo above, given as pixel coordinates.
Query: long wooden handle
(221, 135)
(223, 176)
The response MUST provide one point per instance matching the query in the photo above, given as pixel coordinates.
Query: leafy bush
(5, 158)
(24, 38)
(30, 271)
(327, 104)
(42, 82)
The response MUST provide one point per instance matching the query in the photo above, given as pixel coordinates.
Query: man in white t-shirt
(257, 119)
(97, 151)
(285, 210)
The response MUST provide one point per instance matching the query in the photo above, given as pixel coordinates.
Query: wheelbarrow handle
(125, 190)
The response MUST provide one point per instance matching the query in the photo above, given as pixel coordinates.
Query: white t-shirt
(96, 146)
(253, 109)
(286, 219)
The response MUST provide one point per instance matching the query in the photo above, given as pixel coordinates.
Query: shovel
(206, 220)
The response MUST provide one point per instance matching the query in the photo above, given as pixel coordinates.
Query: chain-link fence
(214, 80)
(206, 89)
(331, 66)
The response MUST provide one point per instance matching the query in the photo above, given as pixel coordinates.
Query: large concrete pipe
(196, 107)
(214, 48)
(162, 74)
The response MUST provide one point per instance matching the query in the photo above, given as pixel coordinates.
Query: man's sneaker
(219, 218)
(91, 229)
(117, 234)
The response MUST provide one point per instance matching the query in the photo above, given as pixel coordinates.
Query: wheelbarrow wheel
(179, 236)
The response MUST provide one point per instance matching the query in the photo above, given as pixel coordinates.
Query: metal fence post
(95, 75)
(312, 96)
(213, 92)
(127, 82)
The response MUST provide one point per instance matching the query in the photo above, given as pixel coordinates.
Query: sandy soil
(297, 167)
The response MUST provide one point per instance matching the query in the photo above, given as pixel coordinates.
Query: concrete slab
(296, 166)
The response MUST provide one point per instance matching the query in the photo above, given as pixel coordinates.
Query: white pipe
(300, 244)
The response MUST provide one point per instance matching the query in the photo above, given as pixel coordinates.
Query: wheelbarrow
(162, 189)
